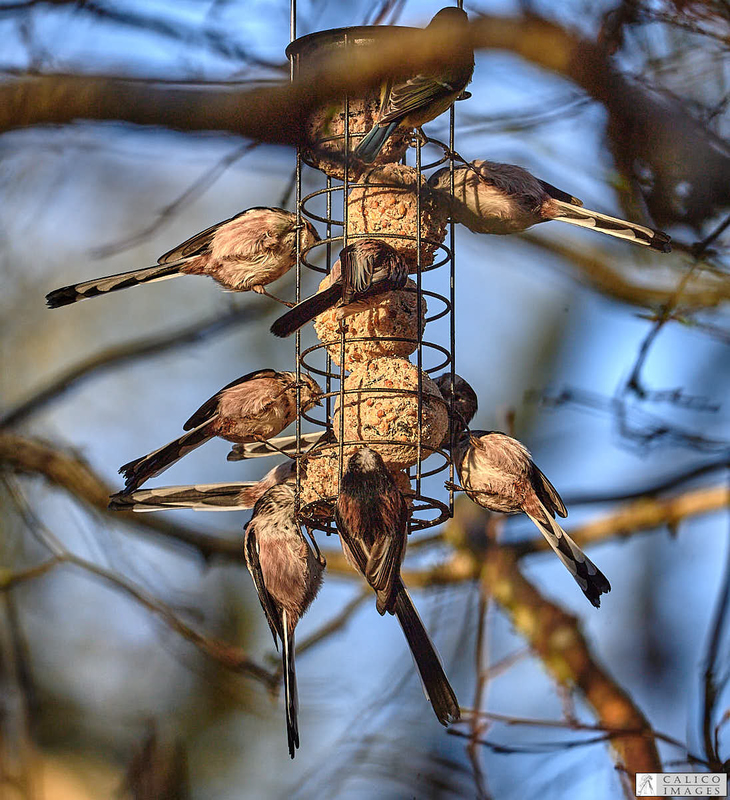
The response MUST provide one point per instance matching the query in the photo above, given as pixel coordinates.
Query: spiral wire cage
(426, 511)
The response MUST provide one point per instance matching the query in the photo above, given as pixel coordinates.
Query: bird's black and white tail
(306, 311)
(200, 497)
(592, 581)
(621, 228)
(112, 283)
(435, 683)
(142, 469)
(291, 698)
(279, 445)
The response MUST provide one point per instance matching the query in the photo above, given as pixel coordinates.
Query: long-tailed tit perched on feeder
(417, 100)
(367, 267)
(204, 496)
(372, 520)
(287, 576)
(255, 407)
(503, 198)
(244, 253)
(497, 472)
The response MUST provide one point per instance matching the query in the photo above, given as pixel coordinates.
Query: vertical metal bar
(419, 323)
(293, 69)
(452, 317)
(452, 298)
(328, 358)
(345, 192)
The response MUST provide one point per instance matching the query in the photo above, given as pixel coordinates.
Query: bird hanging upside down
(503, 198)
(287, 576)
(372, 520)
(243, 253)
(497, 472)
(255, 407)
(365, 268)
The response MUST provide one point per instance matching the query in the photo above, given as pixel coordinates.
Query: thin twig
(229, 656)
(710, 694)
(193, 192)
(113, 357)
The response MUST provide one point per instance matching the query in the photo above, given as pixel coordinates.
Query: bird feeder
(390, 403)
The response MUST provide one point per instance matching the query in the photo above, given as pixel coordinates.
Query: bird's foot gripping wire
(317, 552)
(261, 290)
(454, 487)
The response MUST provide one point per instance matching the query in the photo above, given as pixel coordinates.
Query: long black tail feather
(200, 497)
(435, 683)
(112, 283)
(592, 582)
(290, 688)
(142, 469)
(306, 311)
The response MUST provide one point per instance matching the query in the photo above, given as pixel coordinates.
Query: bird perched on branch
(204, 496)
(365, 268)
(255, 407)
(372, 520)
(413, 102)
(287, 576)
(503, 198)
(243, 253)
(497, 472)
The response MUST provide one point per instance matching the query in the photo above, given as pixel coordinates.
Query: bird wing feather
(559, 194)
(251, 552)
(357, 272)
(547, 493)
(253, 405)
(413, 95)
(387, 553)
(195, 245)
(354, 545)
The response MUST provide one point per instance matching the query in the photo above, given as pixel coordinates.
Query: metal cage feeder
(333, 133)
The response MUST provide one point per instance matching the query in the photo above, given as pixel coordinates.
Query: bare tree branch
(643, 126)
(556, 638)
(643, 514)
(73, 475)
(227, 655)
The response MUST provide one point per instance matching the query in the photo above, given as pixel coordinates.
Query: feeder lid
(357, 35)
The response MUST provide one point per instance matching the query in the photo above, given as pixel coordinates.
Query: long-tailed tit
(204, 496)
(255, 407)
(503, 198)
(497, 472)
(372, 520)
(417, 100)
(365, 268)
(244, 253)
(287, 576)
